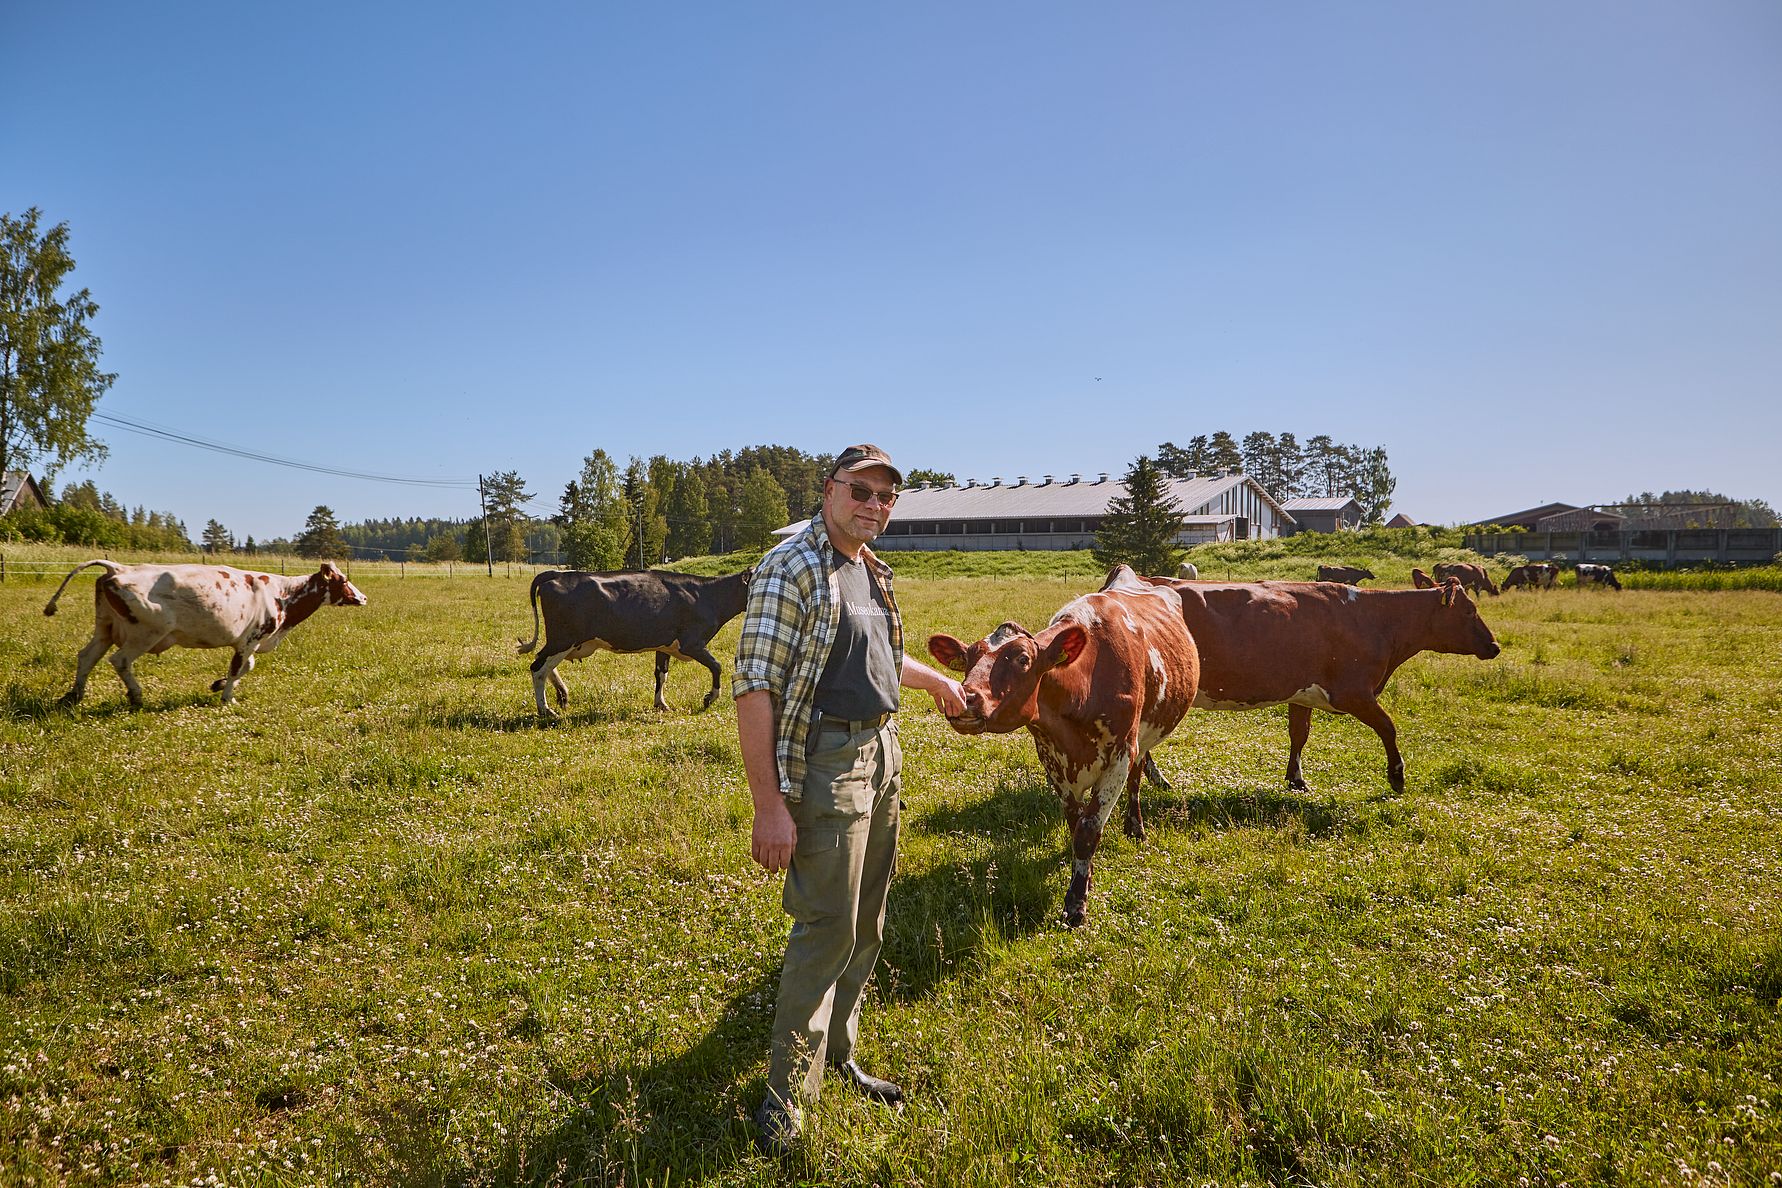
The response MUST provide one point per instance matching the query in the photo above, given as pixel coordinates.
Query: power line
(174, 435)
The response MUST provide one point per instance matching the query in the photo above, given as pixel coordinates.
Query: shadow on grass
(22, 702)
(1243, 808)
(645, 1118)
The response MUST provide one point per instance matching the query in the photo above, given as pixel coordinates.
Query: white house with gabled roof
(1066, 513)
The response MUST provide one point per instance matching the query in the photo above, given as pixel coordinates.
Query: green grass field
(372, 925)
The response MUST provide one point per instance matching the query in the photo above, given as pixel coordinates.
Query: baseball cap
(861, 457)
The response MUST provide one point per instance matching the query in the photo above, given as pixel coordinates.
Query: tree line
(1290, 469)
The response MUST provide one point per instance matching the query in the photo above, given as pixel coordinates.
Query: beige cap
(864, 457)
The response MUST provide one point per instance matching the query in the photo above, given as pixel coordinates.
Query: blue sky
(1533, 249)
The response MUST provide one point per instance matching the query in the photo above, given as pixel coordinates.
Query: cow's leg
(83, 664)
(122, 660)
(1085, 837)
(1299, 728)
(697, 651)
(1135, 820)
(661, 678)
(240, 665)
(559, 689)
(1369, 711)
(544, 670)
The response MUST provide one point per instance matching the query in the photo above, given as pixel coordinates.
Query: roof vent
(1020, 480)
(1074, 479)
(995, 482)
(1047, 481)
(1103, 478)
(971, 482)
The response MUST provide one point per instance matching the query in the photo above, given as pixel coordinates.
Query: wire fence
(39, 569)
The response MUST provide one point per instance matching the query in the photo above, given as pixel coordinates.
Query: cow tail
(112, 566)
(526, 647)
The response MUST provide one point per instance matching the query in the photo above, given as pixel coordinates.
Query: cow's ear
(948, 651)
(1066, 646)
(1450, 588)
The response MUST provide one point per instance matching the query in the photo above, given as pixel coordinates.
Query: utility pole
(488, 536)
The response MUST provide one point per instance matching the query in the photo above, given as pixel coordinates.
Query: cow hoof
(547, 715)
(135, 702)
(1135, 831)
(1298, 785)
(1073, 918)
(709, 698)
(216, 686)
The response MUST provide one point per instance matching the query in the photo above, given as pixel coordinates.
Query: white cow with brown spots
(1106, 681)
(146, 609)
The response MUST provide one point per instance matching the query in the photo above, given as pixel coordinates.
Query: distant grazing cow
(1349, 575)
(1309, 645)
(1187, 571)
(671, 614)
(1422, 580)
(1598, 575)
(1105, 682)
(1469, 575)
(146, 609)
(1537, 575)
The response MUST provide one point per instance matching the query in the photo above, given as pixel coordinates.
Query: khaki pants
(835, 893)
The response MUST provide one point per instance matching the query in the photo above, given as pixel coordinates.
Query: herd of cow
(1098, 688)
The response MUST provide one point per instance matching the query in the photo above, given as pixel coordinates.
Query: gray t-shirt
(860, 679)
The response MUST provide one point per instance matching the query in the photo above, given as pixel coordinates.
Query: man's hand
(773, 837)
(949, 696)
(944, 689)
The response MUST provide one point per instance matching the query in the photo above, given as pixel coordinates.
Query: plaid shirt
(788, 631)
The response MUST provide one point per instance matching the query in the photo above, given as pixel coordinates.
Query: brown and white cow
(1348, 575)
(1597, 575)
(1107, 680)
(1536, 575)
(671, 614)
(1469, 574)
(1312, 645)
(147, 609)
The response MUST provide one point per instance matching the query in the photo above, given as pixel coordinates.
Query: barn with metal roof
(1324, 514)
(1066, 513)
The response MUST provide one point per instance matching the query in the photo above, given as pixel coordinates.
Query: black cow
(670, 614)
(1349, 575)
(1598, 575)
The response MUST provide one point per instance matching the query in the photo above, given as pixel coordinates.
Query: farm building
(1066, 513)
(1336, 514)
(19, 490)
(1558, 517)
(1401, 521)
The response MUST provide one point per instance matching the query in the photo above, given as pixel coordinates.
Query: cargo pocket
(818, 878)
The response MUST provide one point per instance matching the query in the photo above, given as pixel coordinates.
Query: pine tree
(504, 495)
(321, 536)
(216, 538)
(1141, 526)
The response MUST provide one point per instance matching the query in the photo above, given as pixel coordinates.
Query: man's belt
(852, 725)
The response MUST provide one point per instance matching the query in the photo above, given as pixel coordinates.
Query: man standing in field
(816, 683)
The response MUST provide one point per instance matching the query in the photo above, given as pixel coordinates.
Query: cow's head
(340, 591)
(1367, 575)
(1003, 672)
(1458, 629)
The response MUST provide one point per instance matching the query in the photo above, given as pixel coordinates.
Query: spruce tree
(1140, 527)
(321, 535)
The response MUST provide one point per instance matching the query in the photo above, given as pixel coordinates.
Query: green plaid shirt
(788, 631)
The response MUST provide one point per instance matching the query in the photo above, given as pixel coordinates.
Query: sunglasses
(865, 494)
